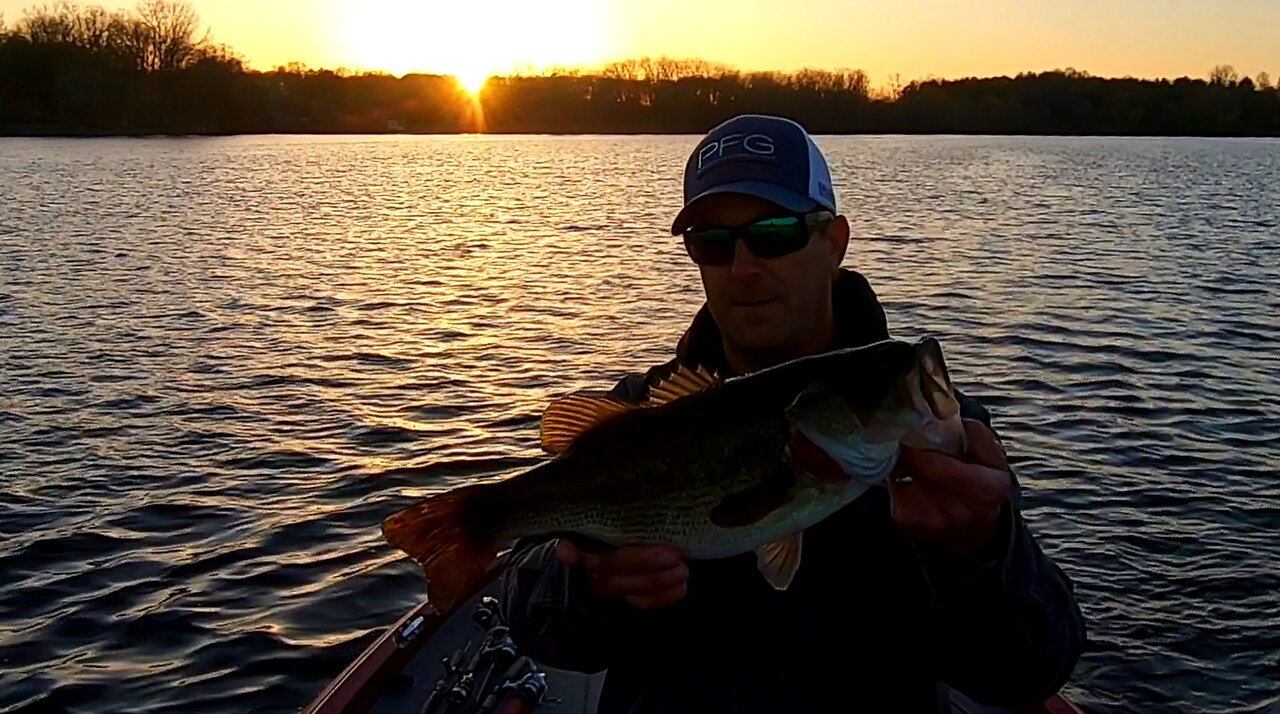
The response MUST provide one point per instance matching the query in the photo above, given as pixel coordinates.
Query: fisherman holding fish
(794, 514)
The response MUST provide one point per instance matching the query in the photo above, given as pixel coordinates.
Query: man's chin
(758, 338)
(764, 316)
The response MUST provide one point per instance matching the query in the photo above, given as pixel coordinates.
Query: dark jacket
(871, 621)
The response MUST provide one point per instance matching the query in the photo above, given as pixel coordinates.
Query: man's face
(769, 305)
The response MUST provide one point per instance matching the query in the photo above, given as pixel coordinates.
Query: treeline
(78, 70)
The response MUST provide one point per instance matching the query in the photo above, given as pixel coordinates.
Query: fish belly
(696, 537)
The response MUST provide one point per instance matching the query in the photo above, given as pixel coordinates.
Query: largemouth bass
(714, 468)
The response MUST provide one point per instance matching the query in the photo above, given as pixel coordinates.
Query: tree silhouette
(67, 69)
(1224, 74)
(162, 36)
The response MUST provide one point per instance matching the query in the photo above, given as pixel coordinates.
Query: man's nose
(745, 262)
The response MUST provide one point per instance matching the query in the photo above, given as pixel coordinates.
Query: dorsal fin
(567, 418)
(681, 383)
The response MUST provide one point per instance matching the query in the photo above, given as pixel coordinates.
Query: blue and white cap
(765, 156)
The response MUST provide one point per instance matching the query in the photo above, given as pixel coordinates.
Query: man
(918, 595)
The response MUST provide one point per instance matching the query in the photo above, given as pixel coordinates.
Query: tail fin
(441, 534)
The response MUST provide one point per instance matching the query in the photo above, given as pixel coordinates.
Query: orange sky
(911, 38)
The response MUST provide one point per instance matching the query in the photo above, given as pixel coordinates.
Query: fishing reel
(492, 678)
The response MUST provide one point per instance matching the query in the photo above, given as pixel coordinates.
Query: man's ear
(838, 235)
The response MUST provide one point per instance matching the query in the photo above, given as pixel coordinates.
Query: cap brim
(785, 197)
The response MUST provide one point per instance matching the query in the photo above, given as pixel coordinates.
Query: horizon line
(720, 70)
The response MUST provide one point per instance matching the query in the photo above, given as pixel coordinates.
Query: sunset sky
(911, 38)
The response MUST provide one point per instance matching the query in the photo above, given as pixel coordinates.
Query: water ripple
(219, 371)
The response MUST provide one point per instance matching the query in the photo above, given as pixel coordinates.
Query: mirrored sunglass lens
(708, 234)
(776, 227)
(769, 239)
(709, 247)
(779, 232)
(780, 221)
(774, 246)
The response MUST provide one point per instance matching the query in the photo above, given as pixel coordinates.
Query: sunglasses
(766, 238)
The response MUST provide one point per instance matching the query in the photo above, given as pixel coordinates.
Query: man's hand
(953, 503)
(644, 576)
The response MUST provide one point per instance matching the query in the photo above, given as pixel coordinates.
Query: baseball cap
(759, 155)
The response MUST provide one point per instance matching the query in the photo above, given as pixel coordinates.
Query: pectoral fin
(780, 560)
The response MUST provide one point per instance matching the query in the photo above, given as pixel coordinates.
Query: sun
(472, 81)
(471, 40)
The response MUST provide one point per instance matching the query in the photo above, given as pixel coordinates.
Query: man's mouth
(753, 302)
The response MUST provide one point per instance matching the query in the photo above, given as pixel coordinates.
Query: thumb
(567, 553)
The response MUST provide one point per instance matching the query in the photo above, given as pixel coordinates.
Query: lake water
(216, 354)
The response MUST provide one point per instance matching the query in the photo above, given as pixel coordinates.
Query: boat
(461, 663)
(464, 662)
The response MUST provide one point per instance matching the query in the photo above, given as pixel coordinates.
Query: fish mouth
(934, 381)
(935, 403)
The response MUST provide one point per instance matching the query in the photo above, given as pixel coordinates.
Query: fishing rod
(451, 665)
(475, 681)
